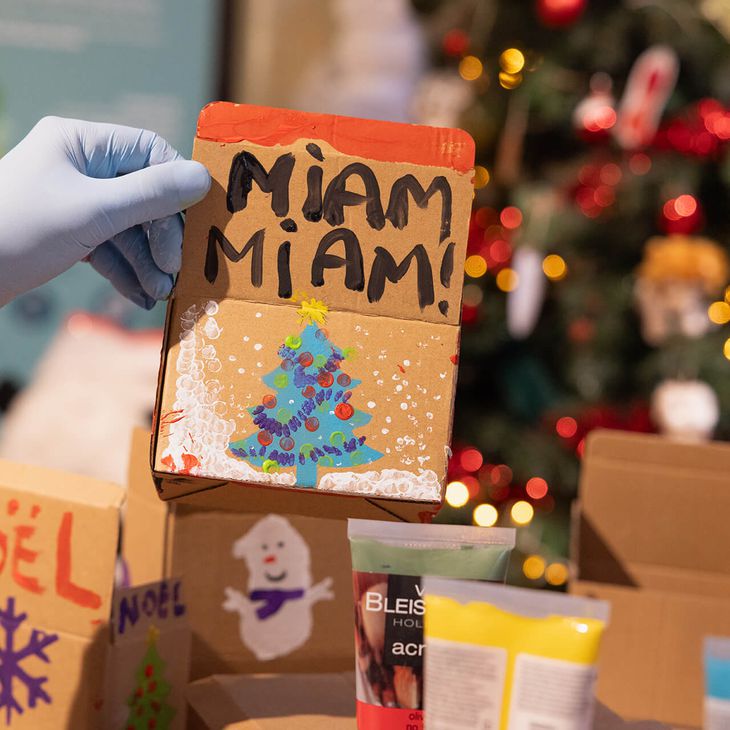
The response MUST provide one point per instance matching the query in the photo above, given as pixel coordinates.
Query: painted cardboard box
(58, 546)
(312, 338)
(271, 592)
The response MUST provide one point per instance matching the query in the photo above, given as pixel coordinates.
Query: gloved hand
(75, 190)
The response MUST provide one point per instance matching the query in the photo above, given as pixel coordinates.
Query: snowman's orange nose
(270, 559)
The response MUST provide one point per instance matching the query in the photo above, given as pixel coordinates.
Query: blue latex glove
(111, 195)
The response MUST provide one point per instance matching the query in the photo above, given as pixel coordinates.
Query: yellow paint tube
(501, 658)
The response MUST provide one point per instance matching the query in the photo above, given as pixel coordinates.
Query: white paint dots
(241, 371)
(388, 419)
(384, 431)
(406, 363)
(232, 358)
(371, 404)
(429, 415)
(246, 338)
(259, 364)
(398, 388)
(404, 406)
(258, 346)
(258, 315)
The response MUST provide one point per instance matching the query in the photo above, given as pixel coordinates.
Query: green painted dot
(270, 465)
(283, 415)
(293, 341)
(325, 461)
(306, 449)
(337, 438)
(357, 459)
(281, 380)
(349, 353)
(320, 361)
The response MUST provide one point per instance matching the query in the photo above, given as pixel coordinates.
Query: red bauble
(309, 392)
(306, 359)
(344, 379)
(265, 438)
(559, 13)
(325, 379)
(344, 411)
(269, 400)
(311, 424)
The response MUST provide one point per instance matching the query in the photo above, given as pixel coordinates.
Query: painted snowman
(276, 612)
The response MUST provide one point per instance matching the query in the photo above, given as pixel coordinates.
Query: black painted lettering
(352, 260)
(255, 245)
(336, 196)
(312, 208)
(397, 212)
(246, 169)
(447, 265)
(385, 267)
(284, 269)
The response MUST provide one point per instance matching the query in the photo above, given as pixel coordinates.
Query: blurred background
(596, 284)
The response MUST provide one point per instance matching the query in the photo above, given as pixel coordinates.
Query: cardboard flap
(649, 505)
(270, 701)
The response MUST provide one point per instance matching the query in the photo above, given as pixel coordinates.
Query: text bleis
(339, 247)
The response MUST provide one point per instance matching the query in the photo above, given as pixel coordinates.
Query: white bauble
(524, 302)
(685, 409)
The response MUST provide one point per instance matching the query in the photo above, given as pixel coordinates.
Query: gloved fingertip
(149, 302)
(192, 179)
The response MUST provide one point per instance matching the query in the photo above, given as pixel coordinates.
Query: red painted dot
(265, 438)
(152, 686)
(269, 401)
(566, 427)
(344, 411)
(306, 359)
(286, 443)
(309, 392)
(148, 670)
(344, 379)
(311, 424)
(35, 509)
(325, 379)
(454, 359)
(152, 724)
(13, 506)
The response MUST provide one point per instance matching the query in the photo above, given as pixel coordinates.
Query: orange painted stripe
(223, 121)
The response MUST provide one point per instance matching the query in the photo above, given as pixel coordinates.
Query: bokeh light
(481, 177)
(536, 487)
(512, 60)
(509, 81)
(507, 280)
(726, 348)
(475, 266)
(511, 217)
(554, 267)
(685, 205)
(533, 567)
(639, 163)
(485, 515)
(719, 312)
(556, 574)
(566, 427)
(470, 68)
(457, 494)
(522, 512)
(471, 460)
(473, 295)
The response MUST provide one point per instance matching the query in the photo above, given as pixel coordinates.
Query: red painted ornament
(559, 13)
(311, 424)
(309, 392)
(325, 379)
(344, 411)
(269, 400)
(306, 359)
(265, 438)
(148, 670)
(286, 443)
(344, 380)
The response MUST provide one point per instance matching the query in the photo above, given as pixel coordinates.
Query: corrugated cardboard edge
(213, 705)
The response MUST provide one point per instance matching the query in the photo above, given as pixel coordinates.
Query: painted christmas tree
(148, 709)
(307, 421)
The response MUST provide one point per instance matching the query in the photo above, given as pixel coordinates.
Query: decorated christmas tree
(307, 420)
(597, 268)
(148, 708)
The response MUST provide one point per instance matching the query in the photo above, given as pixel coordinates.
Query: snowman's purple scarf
(274, 599)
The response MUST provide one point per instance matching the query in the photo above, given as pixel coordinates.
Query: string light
(719, 312)
(475, 266)
(554, 267)
(481, 177)
(566, 427)
(473, 295)
(470, 68)
(509, 81)
(485, 515)
(511, 217)
(533, 567)
(727, 294)
(536, 487)
(685, 205)
(639, 163)
(500, 475)
(726, 348)
(522, 512)
(471, 460)
(457, 494)
(556, 574)
(472, 484)
(512, 60)
(507, 280)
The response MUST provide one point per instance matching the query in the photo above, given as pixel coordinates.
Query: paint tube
(717, 683)
(388, 560)
(505, 658)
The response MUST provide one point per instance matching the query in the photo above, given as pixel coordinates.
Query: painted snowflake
(11, 660)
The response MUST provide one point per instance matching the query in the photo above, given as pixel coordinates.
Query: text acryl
(388, 561)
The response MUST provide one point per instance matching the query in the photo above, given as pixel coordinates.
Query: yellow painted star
(153, 634)
(312, 311)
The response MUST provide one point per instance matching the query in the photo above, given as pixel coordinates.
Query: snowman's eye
(264, 546)
(280, 544)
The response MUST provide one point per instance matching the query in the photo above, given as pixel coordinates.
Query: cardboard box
(312, 337)
(238, 622)
(61, 667)
(651, 536)
(275, 702)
